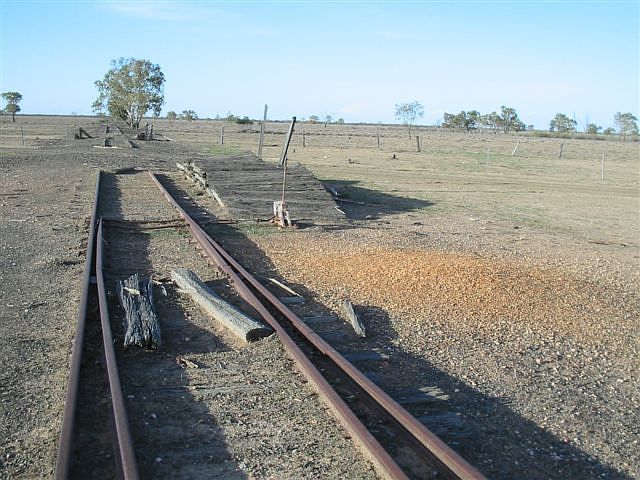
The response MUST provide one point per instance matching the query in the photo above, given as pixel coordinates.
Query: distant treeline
(560, 126)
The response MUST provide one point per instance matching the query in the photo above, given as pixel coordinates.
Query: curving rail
(434, 458)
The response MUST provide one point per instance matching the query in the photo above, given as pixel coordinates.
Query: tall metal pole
(285, 147)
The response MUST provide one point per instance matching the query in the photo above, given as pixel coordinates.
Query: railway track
(397, 444)
(93, 316)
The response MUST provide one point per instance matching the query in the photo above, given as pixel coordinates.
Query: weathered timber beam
(356, 323)
(237, 322)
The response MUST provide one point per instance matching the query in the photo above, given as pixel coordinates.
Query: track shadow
(174, 434)
(360, 203)
(485, 430)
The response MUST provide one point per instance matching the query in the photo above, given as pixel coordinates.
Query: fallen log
(140, 324)
(237, 322)
(199, 171)
(199, 176)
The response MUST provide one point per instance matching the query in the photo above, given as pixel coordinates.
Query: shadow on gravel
(484, 430)
(362, 203)
(174, 434)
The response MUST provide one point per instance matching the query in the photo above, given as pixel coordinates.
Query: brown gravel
(478, 293)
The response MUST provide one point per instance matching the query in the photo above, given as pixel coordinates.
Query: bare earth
(509, 283)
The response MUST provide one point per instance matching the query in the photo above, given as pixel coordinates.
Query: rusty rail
(447, 462)
(124, 453)
(63, 460)
(383, 461)
(125, 464)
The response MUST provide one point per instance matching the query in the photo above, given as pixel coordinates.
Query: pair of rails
(353, 398)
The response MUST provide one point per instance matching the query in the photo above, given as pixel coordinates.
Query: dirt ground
(508, 283)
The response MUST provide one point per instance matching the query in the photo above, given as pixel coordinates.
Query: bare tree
(408, 113)
(627, 124)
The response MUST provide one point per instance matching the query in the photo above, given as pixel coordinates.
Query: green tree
(464, 120)
(472, 120)
(171, 115)
(408, 113)
(188, 115)
(449, 120)
(492, 121)
(314, 119)
(509, 120)
(13, 100)
(340, 121)
(130, 89)
(593, 129)
(627, 124)
(562, 123)
(609, 131)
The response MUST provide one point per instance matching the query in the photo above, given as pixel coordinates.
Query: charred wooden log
(141, 327)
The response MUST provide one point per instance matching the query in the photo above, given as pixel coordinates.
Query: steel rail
(450, 463)
(384, 464)
(65, 442)
(126, 467)
(125, 455)
(454, 465)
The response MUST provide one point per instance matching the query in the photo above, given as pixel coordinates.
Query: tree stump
(141, 325)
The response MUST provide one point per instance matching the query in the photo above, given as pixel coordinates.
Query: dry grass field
(473, 175)
(508, 281)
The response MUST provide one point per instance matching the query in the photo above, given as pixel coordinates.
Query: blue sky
(354, 60)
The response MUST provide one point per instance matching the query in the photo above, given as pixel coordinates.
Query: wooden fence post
(561, 150)
(418, 143)
(304, 141)
(261, 141)
(515, 150)
(378, 135)
(602, 173)
(221, 135)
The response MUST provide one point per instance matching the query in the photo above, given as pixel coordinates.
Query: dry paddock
(527, 321)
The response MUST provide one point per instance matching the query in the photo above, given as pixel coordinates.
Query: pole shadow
(360, 203)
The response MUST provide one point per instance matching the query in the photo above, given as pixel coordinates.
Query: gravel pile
(474, 292)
